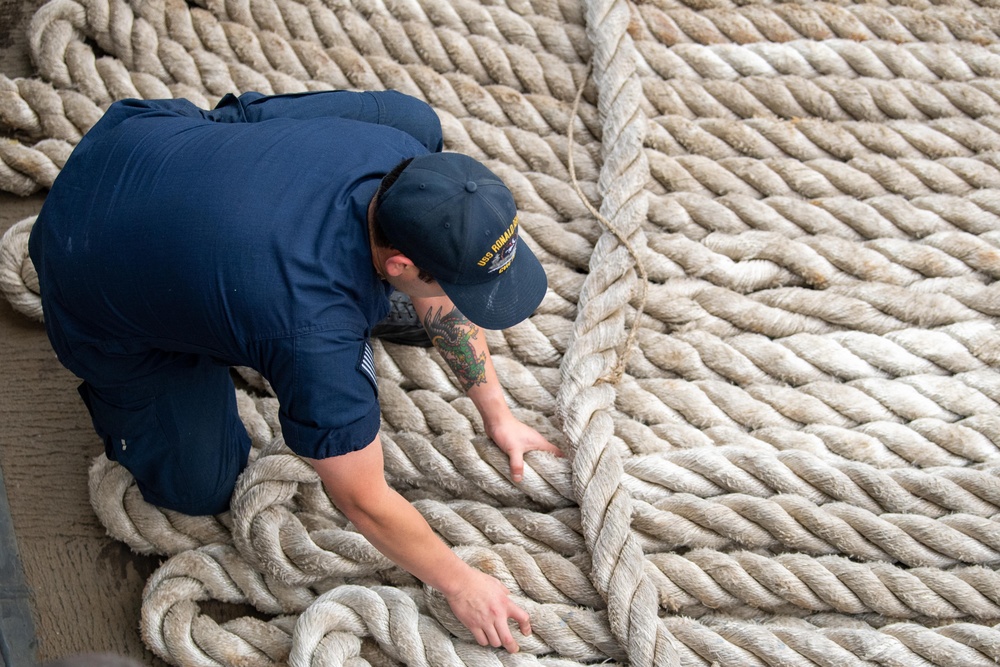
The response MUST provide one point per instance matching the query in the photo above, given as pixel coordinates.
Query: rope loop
(769, 348)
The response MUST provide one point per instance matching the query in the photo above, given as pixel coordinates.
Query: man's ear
(396, 265)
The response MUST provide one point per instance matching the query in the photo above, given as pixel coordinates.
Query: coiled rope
(769, 347)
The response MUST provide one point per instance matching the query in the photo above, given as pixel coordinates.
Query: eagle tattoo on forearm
(452, 333)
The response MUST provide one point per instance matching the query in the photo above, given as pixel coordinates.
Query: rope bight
(769, 347)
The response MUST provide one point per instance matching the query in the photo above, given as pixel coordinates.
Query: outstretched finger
(522, 618)
(506, 638)
(517, 465)
(547, 446)
(480, 637)
(494, 638)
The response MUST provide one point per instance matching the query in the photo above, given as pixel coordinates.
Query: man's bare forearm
(356, 484)
(463, 346)
(460, 344)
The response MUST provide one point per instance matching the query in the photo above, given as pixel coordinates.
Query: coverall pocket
(130, 429)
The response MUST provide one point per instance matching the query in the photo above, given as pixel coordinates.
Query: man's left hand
(515, 438)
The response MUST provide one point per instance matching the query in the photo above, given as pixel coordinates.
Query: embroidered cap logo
(457, 221)
(502, 252)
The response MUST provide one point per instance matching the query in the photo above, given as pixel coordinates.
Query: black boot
(402, 326)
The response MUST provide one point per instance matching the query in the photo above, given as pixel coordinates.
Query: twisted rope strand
(815, 209)
(848, 58)
(674, 23)
(830, 98)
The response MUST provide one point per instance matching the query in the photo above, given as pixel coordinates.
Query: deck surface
(74, 590)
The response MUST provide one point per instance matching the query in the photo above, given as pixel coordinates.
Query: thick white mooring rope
(769, 347)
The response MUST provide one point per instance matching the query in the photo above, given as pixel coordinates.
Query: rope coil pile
(769, 346)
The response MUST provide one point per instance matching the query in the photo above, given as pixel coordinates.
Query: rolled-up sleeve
(326, 387)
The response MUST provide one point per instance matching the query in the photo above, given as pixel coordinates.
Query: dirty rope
(769, 346)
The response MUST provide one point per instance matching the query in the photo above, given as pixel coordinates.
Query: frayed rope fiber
(769, 344)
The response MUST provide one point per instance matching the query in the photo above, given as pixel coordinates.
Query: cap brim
(506, 300)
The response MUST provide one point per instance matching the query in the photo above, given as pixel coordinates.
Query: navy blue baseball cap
(458, 222)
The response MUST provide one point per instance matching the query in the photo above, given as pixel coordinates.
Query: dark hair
(378, 234)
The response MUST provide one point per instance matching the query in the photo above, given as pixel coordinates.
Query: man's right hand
(356, 483)
(483, 605)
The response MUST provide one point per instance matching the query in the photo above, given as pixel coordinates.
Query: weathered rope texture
(769, 346)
